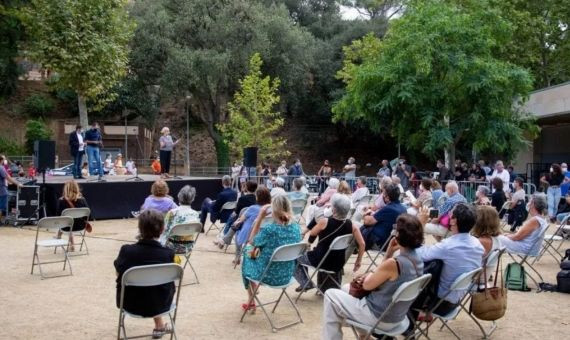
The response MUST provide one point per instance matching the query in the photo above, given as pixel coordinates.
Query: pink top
(325, 197)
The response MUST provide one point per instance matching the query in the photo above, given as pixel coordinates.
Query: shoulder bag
(491, 303)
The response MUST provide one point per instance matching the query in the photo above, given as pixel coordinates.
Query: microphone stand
(175, 172)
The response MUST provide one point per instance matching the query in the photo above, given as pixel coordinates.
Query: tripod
(135, 178)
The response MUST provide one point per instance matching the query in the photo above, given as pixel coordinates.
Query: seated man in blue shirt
(215, 207)
(377, 228)
(460, 253)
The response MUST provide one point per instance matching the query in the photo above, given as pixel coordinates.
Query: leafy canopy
(252, 120)
(83, 41)
(434, 82)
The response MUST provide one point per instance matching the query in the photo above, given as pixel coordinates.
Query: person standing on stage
(166, 146)
(94, 142)
(77, 149)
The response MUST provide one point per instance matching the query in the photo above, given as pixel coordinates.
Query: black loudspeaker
(250, 157)
(44, 155)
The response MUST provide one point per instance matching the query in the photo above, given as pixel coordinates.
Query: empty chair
(150, 276)
(228, 206)
(52, 223)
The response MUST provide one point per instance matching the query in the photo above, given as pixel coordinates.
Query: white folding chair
(188, 230)
(463, 283)
(298, 206)
(405, 294)
(149, 276)
(52, 223)
(78, 213)
(226, 206)
(340, 243)
(285, 253)
(380, 251)
(549, 239)
(524, 259)
(428, 203)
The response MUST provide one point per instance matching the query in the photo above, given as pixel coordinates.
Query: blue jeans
(205, 209)
(3, 205)
(77, 160)
(553, 195)
(561, 216)
(94, 158)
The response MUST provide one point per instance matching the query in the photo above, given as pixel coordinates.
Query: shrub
(36, 129)
(8, 147)
(38, 105)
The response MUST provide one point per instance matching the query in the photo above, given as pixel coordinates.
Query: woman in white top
(282, 169)
(526, 239)
(487, 228)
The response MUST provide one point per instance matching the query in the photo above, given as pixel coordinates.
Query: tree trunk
(83, 119)
(449, 152)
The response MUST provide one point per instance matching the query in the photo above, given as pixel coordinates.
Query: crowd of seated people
(439, 226)
(214, 207)
(183, 214)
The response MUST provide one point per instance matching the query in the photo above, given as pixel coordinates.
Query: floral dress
(270, 237)
(182, 214)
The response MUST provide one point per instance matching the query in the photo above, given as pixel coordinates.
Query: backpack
(515, 277)
(563, 276)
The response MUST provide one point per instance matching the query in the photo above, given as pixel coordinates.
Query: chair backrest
(341, 242)
(288, 252)
(428, 203)
(55, 222)
(465, 280)
(410, 290)
(493, 257)
(298, 206)
(186, 229)
(229, 205)
(76, 212)
(152, 275)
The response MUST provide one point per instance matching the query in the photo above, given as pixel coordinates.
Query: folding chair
(282, 254)
(523, 259)
(188, 230)
(148, 276)
(339, 243)
(52, 223)
(78, 213)
(298, 207)
(379, 251)
(549, 240)
(490, 261)
(406, 293)
(428, 203)
(463, 283)
(226, 206)
(504, 217)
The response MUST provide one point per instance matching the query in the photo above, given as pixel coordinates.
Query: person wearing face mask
(77, 150)
(554, 180)
(5, 178)
(94, 141)
(349, 171)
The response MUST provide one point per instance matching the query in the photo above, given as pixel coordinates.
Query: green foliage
(11, 33)
(252, 120)
(10, 148)
(36, 129)
(434, 82)
(38, 105)
(83, 41)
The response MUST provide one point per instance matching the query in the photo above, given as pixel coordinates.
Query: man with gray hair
(215, 207)
(502, 174)
(439, 226)
(278, 187)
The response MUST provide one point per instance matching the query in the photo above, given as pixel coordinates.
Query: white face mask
(551, 170)
(564, 169)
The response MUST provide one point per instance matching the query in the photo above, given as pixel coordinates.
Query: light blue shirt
(460, 254)
(296, 195)
(451, 202)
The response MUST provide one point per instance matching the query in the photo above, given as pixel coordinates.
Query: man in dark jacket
(93, 144)
(215, 207)
(444, 173)
(77, 150)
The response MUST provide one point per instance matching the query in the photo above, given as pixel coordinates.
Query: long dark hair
(556, 169)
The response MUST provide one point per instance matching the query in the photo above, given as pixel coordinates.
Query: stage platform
(118, 196)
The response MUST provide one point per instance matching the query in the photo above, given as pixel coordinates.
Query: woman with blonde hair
(71, 198)
(166, 146)
(487, 228)
(118, 165)
(282, 230)
(159, 198)
(344, 188)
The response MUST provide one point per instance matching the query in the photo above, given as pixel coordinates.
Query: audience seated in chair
(327, 229)
(487, 229)
(297, 192)
(159, 198)
(436, 193)
(525, 240)
(72, 198)
(440, 226)
(146, 301)
(263, 241)
(498, 197)
(460, 253)
(183, 214)
(118, 165)
(482, 196)
(425, 195)
(395, 270)
(377, 227)
(563, 208)
(315, 211)
(277, 189)
(361, 190)
(215, 207)
(246, 200)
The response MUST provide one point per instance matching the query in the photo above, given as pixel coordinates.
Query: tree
(11, 33)
(36, 129)
(252, 121)
(433, 82)
(203, 49)
(378, 8)
(83, 41)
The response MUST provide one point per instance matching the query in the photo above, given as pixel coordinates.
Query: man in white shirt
(502, 174)
(361, 190)
(278, 188)
(77, 150)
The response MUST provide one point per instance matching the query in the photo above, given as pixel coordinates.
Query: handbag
(356, 288)
(491, 303)
(88, 226)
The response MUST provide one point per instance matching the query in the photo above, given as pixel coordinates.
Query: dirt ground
(82, 306)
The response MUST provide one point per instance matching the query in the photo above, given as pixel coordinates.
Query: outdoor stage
(117, 197)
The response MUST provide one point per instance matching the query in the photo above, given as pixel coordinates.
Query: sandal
(250, 307)
(158, 333)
